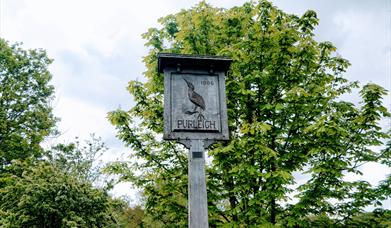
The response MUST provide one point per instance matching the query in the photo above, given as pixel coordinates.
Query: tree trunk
(273, 211)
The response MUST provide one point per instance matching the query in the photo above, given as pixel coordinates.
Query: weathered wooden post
(195, 114)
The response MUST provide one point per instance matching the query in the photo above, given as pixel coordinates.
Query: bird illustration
(195, 98)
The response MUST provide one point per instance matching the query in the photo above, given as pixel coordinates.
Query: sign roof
(221, 63)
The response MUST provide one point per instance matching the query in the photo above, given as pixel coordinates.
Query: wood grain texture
(198, 204)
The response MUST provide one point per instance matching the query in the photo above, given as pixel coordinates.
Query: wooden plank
(198, 204)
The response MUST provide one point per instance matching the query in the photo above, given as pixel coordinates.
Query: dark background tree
(25, 93)
(285, 115)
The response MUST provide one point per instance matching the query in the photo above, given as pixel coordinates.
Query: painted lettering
(180, 123)
(206, 82)
(199, 124)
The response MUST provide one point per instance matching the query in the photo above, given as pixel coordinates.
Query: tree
(38, 188)
(64, 188)
(285, 115)
(46, 188)
(41, 195)
(25, 94)
(79, 159)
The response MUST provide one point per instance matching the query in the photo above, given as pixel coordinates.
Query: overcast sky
(97, 48)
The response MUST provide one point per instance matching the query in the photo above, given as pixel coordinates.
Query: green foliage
(60, 190)
(131, 217)
(78, 159)
(40, 188)
(25, 95)
(379, 218)
(41, 195)
(285, 116)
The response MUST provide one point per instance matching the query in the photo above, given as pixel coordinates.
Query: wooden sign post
(195, 114)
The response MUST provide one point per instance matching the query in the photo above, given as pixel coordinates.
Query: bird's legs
(200, 116)
(192, 112)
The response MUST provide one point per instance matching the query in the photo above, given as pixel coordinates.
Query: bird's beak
(187, 82)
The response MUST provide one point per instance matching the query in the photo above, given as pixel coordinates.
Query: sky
(97, 49)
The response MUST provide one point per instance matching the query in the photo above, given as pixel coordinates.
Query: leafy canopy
(61, 190)
(44, 188)
(79, 159)
(41, 195)
(25, 94)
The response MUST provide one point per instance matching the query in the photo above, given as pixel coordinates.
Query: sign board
(195, 114)
(194, 96)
